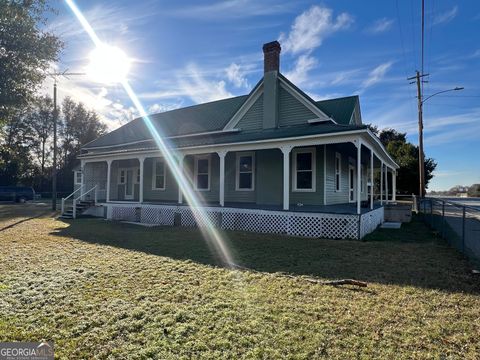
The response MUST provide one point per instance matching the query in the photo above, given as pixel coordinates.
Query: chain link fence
(458, 224)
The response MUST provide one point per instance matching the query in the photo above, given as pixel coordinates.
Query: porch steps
(81, 207)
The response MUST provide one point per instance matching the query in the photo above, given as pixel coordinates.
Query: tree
(26, 52)
(41, 122)
(78, 127)
(15, 155)
(405, 155)
(474, 190)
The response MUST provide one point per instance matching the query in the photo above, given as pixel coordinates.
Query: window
(202, 173)
(158, 180)
(338, 171)
(78, 178)
(138, 176)
(304, 170)
(121, 176)
(245, 172)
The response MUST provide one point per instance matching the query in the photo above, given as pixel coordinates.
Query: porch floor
(347, 208)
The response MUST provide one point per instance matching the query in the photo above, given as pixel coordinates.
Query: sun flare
(108, 64)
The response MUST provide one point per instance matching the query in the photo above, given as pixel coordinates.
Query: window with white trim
(304, 178)
(202, 173)
(78, 178)
(122, 176)
(245, 175)
(158, 180)
(338, 171)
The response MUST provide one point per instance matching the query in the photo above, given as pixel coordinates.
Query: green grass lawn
(110, 290)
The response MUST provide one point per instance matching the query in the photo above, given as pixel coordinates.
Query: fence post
(463, 229)
(443, 218)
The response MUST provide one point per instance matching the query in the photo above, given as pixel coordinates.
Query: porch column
(381, 183)
(180, 168)
(386, 184)
(109, 170)
(221, 155)
(141, 160)
(82, 171)
(394, 185)
(359, 176)
(371, 179)
(286, 176)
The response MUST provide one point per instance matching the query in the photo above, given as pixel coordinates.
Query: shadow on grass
(22, 212)
(409, 256)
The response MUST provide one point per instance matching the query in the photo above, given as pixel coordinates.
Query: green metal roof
(213, 116)
(200, 118)
(237, 137)
(340, 109)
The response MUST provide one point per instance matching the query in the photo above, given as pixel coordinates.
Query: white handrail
(85, 193)
(68, 197)
(80, 197)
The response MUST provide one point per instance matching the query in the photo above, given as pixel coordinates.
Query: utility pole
(421, 161)
(54, 168)
(55, 122)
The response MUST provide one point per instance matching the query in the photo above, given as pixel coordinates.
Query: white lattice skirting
(315, 225)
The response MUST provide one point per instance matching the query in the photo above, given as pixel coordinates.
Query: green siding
(314, 197)
(253, 118)
(349, 154)
(212, 195)
(269, 190)
(292, 111)
(232, 195)
(170, 194)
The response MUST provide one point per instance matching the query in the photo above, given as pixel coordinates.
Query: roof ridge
(339, 98)
(195, 105)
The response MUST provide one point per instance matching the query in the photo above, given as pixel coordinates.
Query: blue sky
(187, 52)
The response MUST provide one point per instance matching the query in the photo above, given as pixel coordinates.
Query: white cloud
(299, 74)
(376, 75)
(104, 19)
(380, 25)
(236, 75)
(311, 27)
(230, 9)
(446, 16)
(158, 108)
(199, 89)
(476, 54)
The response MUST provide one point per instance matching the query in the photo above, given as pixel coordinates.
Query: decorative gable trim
(253, 97)
(306, 102)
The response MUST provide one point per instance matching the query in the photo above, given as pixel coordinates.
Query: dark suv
(16, 193)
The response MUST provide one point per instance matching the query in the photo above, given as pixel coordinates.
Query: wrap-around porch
(343, 177)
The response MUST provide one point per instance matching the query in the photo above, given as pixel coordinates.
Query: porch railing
(82, 196)
(69, 196)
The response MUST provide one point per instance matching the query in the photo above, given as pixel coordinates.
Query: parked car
(16, 193)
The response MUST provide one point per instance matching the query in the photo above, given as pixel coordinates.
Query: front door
(129, 184)
(351, 183)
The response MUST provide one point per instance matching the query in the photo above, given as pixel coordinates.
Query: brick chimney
(271, 53)
(271, 56)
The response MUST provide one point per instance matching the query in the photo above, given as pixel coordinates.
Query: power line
(55, 75)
